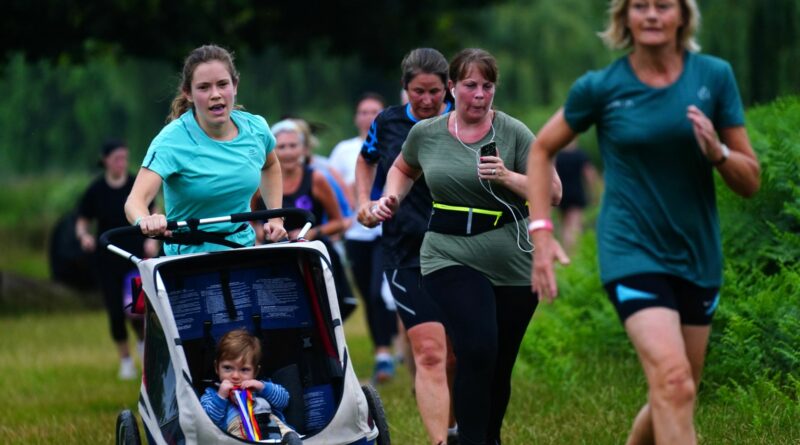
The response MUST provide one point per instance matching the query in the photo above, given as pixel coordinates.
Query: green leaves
(764, 232)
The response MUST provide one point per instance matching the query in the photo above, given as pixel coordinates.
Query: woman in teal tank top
(666, 118)
(210, 157)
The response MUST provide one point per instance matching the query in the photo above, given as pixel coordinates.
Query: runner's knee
(674, 385)
(429, 352)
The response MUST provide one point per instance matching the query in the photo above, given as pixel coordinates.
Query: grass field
(58, 380)
(576, 381)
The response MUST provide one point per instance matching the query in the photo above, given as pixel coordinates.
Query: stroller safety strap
(227, 296)
(196, 237)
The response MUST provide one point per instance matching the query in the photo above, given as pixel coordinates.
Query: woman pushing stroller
(210, 157)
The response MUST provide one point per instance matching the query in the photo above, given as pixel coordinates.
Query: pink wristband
(540, 224)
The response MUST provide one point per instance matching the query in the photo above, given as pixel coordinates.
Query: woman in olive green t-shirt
(475, 257)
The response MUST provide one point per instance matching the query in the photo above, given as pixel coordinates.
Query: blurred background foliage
(110, 68)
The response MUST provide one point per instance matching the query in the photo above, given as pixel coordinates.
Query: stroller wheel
(377, 416)
(127, 429)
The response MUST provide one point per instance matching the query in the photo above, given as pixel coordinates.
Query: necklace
(458, 138)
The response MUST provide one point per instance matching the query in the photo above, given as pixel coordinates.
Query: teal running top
(659, 212)
(204, 178)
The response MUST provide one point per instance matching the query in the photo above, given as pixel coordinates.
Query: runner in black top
(424, 78)
(402, 237)
(104, 203)
(363, 246)
(570, 165)
(578, 177)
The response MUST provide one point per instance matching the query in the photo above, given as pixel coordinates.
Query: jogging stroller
(284, 294)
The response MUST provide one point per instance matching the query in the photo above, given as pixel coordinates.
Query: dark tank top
(302, 198)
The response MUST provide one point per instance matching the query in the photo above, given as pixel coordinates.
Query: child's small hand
(225, 389)
(256, 385)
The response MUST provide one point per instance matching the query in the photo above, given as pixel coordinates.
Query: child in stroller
(237, 364)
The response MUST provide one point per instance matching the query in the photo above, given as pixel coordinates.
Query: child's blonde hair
(239, 344)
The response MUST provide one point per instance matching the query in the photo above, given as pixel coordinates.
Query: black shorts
(414, 306)
(695, 305)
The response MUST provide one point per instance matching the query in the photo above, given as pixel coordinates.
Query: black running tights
(367, 266)
(486, 325)
(111, 271)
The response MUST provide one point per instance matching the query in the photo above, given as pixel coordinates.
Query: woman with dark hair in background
(424, 78)
(363, 245)
(666, 118)
(210, 157)
(103, 203)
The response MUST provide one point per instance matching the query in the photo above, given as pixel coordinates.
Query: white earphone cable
(512, 209)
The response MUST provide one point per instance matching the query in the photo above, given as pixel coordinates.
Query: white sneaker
(452, 435)
(127, 369)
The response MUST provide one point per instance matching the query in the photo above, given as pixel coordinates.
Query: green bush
(58, 114)
(757, 328)
(764, 232)
(580, 323)
(31, 205)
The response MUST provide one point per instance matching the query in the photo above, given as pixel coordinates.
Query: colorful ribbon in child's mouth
(243, 400)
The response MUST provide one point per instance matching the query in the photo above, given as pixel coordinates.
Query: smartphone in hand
(489, 149)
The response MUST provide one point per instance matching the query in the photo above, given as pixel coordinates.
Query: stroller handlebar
(105, 237)
(294, 214)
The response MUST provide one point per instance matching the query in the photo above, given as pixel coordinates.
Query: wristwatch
(725, 153)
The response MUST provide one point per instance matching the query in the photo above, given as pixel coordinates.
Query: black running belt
(460, 220)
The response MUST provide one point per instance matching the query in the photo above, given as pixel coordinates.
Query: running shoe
(127, 369)
(452, 437)
(384, 371)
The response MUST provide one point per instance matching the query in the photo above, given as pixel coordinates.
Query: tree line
(115, 67)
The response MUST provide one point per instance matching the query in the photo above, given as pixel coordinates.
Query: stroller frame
(176, 360)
